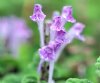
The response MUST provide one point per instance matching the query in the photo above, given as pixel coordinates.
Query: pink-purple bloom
(76, 30)
(14, 32)
(57, 44)
(60, 35)
(47, 53)
(67, 14)
(38, 15)
(57, 23)
(4, 28)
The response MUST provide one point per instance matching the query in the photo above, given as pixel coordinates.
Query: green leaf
(29, 79)
(12, 79)
(25, 56)
(43, 82)
(97, 64)
(76, 80)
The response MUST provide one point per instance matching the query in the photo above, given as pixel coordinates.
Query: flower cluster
(48, 52)
(59, 37)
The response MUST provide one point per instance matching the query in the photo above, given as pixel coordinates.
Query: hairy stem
(52, 35)
(59, 51)
(51, 69)
(41, 30)
(40, 66)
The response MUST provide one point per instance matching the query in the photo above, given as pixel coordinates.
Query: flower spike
(58, 36)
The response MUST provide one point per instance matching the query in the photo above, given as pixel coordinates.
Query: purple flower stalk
(38, 16)
(59, 38)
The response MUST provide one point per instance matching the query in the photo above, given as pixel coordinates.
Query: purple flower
(57, 23)
(47, 53)
(75, 32)
(38, 15)
(77, 28)
(60, 35)
(67, 14)
(14, 32)
(4, 28)
(57, 44)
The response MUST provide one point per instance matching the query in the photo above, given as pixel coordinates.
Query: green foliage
(8, 7)
(25, 55)
(11, 78)
(7, 64)
(76, 80)
(30, 72)
(61, 72)
(29, 79)
(91, 74)
(98, 66)
(43, 82)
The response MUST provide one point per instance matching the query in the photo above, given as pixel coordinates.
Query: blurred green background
(77, 59)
